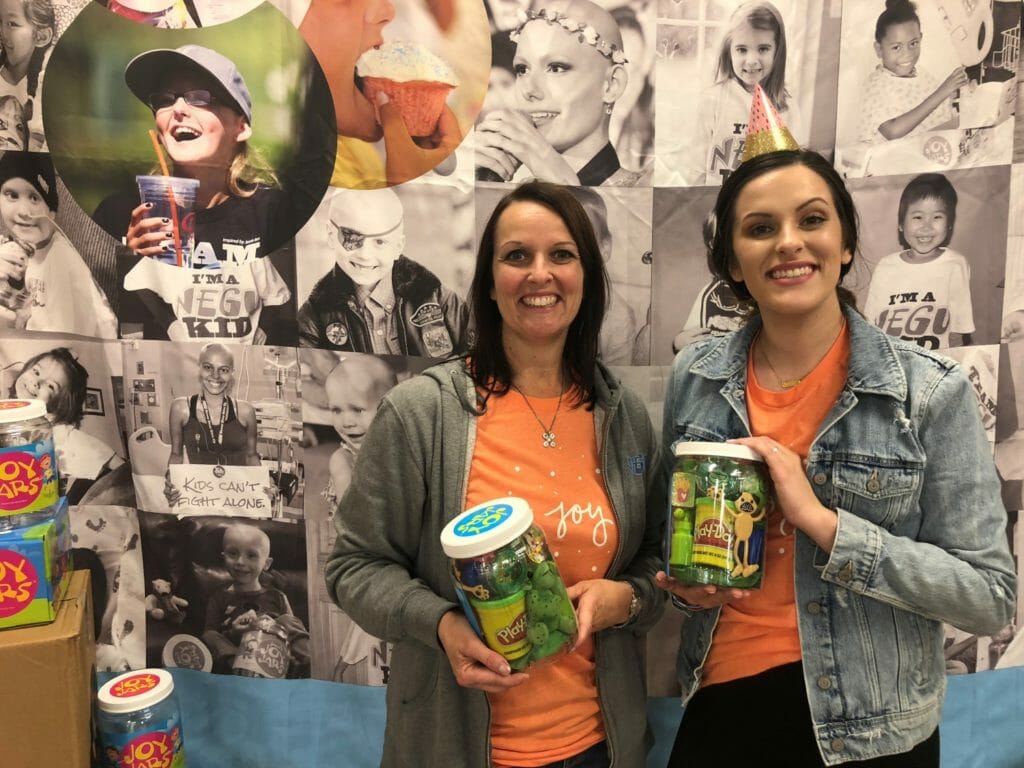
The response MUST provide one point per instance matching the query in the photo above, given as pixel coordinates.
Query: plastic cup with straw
(175, 224)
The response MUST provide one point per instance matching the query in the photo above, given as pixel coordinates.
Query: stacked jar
(28, 464)
(138, 721)
(721, 496)
(508, 583)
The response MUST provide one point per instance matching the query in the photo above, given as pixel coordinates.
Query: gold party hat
(765, 130)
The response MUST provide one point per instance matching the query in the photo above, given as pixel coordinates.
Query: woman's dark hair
(896, 12)
(922, 187)
(66, 406)
(490, 368)
(718, 238)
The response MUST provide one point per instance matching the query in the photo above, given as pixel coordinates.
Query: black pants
(765, 721)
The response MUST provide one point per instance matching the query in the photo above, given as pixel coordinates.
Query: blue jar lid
(486, 527)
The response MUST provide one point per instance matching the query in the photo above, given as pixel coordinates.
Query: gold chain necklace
(790, 383)
(784, 383)
(548, 433)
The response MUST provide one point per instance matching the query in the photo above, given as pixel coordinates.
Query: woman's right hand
(701, 596)
(473, 663)
(514, 133)
(146, 233)
(171, 492)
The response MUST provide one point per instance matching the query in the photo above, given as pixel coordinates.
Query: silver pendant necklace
(548, 432)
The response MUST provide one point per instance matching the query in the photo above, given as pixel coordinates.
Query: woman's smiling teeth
(539, 301)
(786, 273)
(184, 133)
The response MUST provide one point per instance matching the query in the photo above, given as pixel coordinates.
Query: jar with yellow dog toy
(720, 498)
(508, 583)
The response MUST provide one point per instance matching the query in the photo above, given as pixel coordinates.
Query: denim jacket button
(824, 683)
(838, 745)
(814, 608)
(819, 478)
(873, 485)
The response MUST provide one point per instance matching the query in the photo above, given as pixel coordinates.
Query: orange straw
(175, 227)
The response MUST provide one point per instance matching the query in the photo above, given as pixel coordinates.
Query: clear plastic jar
(138, 721)
(28, 464)
(720, 498)
(263, 651)
(508, 583)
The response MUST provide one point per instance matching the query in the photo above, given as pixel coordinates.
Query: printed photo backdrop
(293, 372)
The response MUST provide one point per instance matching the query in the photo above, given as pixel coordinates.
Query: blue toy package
(34, 570)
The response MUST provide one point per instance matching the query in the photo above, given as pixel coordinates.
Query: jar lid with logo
(21, 409)
(136, 690)
(486, 527)
(724, 450)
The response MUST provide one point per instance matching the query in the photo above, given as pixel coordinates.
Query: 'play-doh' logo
(134, 685)
(19, 582)
(150, 750)
(22, 477)
(10, 405)
(514, 633)
(483, 519)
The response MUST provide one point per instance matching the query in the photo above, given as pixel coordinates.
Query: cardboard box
(47, 684)
(34, 570)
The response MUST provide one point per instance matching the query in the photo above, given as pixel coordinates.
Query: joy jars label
(720, 498)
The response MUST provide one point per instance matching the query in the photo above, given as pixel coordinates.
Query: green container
(719, 503)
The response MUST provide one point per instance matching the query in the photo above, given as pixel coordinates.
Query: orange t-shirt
(760, 632)
(556, 713)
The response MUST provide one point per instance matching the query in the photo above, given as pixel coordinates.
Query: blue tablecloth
(234, 721)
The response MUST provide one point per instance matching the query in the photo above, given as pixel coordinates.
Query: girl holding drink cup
(202, 112)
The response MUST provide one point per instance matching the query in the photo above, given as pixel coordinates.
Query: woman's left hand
(521, 139)
(800, 506)
(600, 603)
(408, 157)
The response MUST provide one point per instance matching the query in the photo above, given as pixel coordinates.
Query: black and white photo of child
(373, 296)
(912, 96)
(65, 376)
(620, 220)
(224, 433)
(46, 284)
(226, 595)
(571, 71)
(340, 396)
(714, 54)
(685, 303)
(937, 269)
(30, 31)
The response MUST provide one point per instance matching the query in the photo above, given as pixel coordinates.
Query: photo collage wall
(212, 367)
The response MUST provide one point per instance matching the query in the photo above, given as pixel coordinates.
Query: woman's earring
(608, 108)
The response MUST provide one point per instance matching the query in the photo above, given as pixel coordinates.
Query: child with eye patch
(375, 299)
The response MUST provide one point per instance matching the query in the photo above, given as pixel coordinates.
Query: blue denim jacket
(922, 538)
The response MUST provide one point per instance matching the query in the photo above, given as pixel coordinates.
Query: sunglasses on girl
(200, 97)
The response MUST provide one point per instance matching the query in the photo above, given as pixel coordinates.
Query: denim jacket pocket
(687, 431)
(882, 492)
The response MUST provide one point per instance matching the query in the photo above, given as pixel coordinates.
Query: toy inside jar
(720, 499)
(508, 583)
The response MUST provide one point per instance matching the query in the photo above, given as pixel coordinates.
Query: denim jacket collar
(874, 367)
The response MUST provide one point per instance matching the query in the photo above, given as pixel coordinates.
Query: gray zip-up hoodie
(389, 574)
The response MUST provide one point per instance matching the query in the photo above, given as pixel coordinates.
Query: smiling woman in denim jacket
(889, 518)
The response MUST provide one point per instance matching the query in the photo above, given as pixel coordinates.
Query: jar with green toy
(508, 583)
(720, 498)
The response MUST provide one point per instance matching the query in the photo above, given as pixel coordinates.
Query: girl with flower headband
(570, 70)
